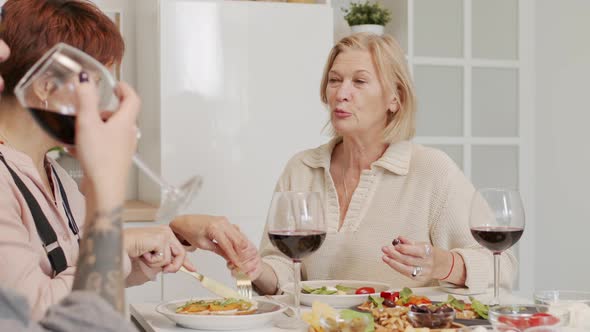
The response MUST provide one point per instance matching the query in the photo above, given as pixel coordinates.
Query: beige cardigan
(412, 190)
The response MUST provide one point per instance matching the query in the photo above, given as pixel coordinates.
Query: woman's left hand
(416, 260)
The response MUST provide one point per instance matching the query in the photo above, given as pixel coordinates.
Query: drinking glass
(497, 222)
(48, 91)
(296, 227)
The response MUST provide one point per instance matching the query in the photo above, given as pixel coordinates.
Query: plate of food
(221, 314)
(421, 312)
(323, 318)
(337, 293)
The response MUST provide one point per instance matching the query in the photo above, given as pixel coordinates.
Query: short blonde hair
(392, 69)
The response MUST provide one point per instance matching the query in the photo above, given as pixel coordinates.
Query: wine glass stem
(297, 286)
(151, 174)
(496, 299)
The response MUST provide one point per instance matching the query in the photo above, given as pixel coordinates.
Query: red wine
(498, 238)
(60, 126)
(297, 244)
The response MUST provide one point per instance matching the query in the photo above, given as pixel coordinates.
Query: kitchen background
(230, 92)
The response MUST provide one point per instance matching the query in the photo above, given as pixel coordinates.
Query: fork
(244, 285)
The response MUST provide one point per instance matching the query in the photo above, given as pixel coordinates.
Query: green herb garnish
(345, 289)
(479, 308)
(405, 295)
(378, 301)
(348, 315)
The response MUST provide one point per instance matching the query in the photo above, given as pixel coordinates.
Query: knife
(214, 286)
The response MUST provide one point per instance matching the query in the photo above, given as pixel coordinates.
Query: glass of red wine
(48, 91)
(497, 222)
(296, 227)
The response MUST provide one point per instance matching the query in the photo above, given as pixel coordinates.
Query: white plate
(461, 290)
(337, 301)
(267, 310)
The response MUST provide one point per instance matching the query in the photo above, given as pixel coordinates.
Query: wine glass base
(291, 323)
(175, 201)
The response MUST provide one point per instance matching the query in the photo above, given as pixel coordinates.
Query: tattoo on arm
(100, 264)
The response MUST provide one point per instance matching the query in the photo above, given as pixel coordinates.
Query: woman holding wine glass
(41, 209)
(396, 212)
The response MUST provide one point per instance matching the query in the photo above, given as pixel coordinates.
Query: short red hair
(31, 27)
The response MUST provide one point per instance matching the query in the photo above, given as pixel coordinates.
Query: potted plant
(367, 17)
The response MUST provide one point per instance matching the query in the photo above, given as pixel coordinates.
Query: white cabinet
(230, 92)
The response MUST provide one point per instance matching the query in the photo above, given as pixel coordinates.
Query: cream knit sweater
(412, 190)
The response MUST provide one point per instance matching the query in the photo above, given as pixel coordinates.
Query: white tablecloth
(149, 320)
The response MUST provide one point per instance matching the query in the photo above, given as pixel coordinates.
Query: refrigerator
(231, 91)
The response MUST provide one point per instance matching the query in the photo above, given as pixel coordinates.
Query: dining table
(147, 319)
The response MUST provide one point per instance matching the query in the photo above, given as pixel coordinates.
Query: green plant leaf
(366, 13)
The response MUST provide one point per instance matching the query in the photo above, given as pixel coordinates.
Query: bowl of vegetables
(520, 317)
(337, 293)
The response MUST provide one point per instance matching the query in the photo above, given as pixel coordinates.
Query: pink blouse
(24, 265)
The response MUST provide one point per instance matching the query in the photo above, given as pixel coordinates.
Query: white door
(471, 62)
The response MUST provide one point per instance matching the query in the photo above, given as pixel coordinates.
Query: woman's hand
(157, 247)
(105, 148)
(211, 233)
(417, 260)
(250, 263)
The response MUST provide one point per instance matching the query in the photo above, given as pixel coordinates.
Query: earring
(45, 105)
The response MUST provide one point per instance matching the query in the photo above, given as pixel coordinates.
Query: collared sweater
(412, 190)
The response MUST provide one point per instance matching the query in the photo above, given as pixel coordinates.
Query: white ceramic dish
(267, 311)
(337, 301)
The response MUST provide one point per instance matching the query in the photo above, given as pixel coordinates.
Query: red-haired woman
(38, 200)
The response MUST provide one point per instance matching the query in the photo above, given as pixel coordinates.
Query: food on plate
(464, 310)
(391, 319)
(405, 297)
(323, 318)
(524, 322)
(337, 290)
(229, 306)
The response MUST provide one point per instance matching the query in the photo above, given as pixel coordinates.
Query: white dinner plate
(266, 312)
(461, 290)
(337, 301)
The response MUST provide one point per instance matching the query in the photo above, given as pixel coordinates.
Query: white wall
(562, 157)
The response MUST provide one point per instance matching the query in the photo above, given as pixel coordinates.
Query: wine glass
(497, 222)
(296, 227)
(48, 91)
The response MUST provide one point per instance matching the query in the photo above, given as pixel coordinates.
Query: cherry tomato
(365, 290)
(387, 296)
(542, 318)
(520, 323)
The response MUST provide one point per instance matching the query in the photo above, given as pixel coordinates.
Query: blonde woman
(396, 211)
